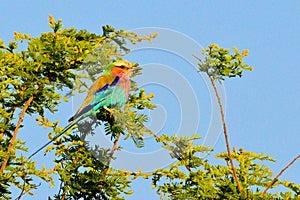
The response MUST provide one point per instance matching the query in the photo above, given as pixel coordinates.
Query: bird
(110, 89)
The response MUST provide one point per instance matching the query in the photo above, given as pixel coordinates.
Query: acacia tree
(251, 179)
(34, 81)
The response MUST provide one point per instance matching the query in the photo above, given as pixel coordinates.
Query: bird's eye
(122, 67)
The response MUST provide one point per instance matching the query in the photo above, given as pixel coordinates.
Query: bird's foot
(109, 110)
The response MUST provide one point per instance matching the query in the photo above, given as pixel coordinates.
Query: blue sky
(262, 108)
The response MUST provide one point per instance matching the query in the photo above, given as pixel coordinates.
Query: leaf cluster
(38, 76)
(220, 63)
(215, 181)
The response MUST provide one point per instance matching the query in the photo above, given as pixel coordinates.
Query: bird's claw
(109, 110)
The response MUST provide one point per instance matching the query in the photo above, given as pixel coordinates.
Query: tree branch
(226, 134)
(16, 132)
(23, 189)
(112, 153)
(279, 174)
(105, 169)
(164, 143)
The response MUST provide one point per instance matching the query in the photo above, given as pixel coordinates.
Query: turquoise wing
(109, 97)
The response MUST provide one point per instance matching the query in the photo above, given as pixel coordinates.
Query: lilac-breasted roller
(110, 89)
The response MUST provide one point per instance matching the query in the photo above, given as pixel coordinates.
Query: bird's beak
(136, 69)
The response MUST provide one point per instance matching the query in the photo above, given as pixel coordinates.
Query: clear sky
(262, 108)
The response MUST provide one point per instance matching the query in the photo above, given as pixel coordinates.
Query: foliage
(33, 81)
(37, 77)
(208, 181)
(219, 63)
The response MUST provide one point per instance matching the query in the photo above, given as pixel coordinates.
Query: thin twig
(226, 134)
(18, 126)
(165, 144)
(108, 163)
(279, 174)
(23, 189)
(112, 153)
(16, 132)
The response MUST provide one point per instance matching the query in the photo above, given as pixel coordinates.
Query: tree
(33, 82)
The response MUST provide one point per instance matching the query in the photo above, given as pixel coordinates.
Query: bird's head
(122, 68)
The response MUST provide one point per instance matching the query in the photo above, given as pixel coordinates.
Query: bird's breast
(125, 84)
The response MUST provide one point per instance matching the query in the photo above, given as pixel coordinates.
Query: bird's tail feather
(70, 125)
